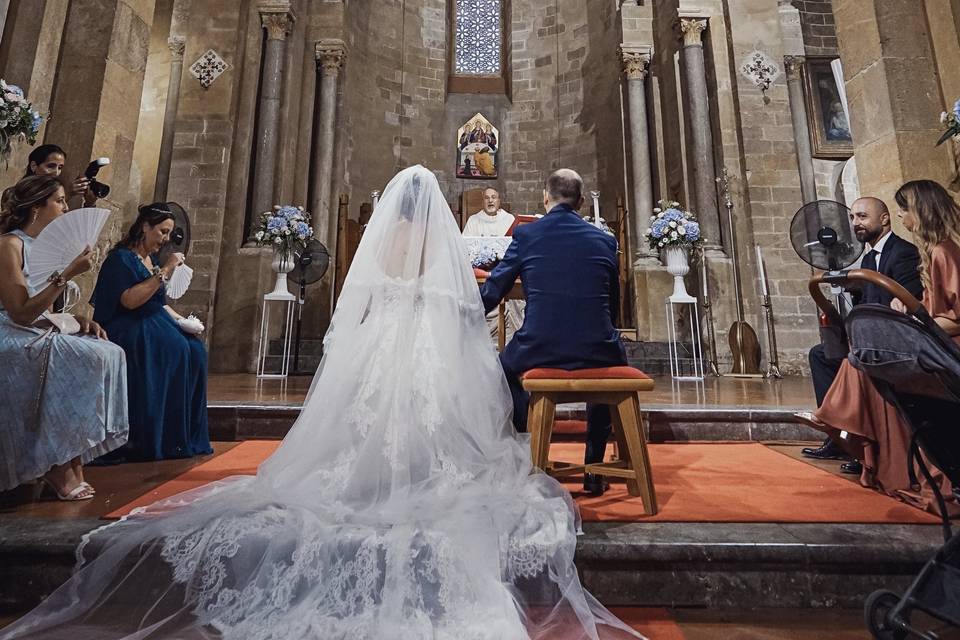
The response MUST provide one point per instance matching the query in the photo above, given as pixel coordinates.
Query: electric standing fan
(62, 241)
(823, 237)
(179, 243)
(309, 265)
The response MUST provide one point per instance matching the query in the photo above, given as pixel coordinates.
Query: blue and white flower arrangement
(672, 226)
(286, 229)
(18, 120)
(951, 120)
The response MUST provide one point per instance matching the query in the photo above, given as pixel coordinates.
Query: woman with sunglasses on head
(64, 396)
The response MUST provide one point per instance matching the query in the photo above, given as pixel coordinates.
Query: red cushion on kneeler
(569, 427)
(617, 373)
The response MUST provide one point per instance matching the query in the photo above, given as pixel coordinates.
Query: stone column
(330, 56)
(801, 127)
(701, 134)
(894, 95)
(177, 45)
(636, 64)
(277, 18)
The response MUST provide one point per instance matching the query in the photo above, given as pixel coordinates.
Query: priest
(491, 220)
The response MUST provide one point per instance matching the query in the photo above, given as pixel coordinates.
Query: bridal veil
(401, 505)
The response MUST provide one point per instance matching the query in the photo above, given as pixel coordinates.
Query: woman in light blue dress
(64, 397)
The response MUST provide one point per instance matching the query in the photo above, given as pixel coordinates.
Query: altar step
(652, 358)
(720, 566)
(231, 421)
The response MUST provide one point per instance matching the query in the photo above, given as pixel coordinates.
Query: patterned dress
(62, 397)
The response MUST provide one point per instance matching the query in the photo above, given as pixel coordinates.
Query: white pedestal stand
(282, 297)
(674, 344)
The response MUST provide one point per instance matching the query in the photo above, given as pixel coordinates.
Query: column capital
(277, 18)
(692, 29)
(793, 65)
(177, 44)
(331, 54)
(635, 59)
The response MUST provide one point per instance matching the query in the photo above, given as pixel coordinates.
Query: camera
(99, 189)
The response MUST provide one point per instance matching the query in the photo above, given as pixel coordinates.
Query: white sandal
(74, 495)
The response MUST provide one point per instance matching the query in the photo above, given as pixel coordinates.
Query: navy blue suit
(568, 268)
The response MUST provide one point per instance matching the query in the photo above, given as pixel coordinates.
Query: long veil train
(400, 505)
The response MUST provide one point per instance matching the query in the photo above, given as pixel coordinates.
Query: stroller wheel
(877, 610)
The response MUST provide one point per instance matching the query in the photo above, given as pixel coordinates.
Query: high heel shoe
(74, 495)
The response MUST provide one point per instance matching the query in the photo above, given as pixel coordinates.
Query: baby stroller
(915, 365)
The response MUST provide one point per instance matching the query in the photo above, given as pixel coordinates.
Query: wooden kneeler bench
(618, 387)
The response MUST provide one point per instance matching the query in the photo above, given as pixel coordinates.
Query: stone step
(736, 566)
(664, 423)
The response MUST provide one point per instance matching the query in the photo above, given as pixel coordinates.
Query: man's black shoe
(826, 451)
(853, 468)
(594, 485)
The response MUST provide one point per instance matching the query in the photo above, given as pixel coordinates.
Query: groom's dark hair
(565, 186)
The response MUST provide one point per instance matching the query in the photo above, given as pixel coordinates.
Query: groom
(569, 272)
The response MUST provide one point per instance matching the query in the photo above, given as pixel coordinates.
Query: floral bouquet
(18, 120)
(603, 226)
(486, 252)
(952, 122)
(286, 228)
(672, 226)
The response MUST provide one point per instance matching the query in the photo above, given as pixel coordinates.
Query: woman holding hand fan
(64, 396)
(166, 362)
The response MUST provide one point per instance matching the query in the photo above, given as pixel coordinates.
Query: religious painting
(829, 128)
(478, 149)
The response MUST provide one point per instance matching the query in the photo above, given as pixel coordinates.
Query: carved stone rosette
(277, 18)
(177, 44)
(331, 54)
(635, 60)
(692, 30)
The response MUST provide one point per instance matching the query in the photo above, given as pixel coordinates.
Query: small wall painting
(478, 145)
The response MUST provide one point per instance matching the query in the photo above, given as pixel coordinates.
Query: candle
(375, 196)
(704, 278)
(763, 275)
(596, 207)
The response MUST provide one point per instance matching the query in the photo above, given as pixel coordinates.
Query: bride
(401, 505)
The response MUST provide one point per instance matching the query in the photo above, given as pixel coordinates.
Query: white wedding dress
(401, 505)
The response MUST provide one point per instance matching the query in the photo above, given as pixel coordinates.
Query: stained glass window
(479, 34)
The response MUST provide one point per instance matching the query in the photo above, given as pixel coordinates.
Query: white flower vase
(675, 257)
(282, 264)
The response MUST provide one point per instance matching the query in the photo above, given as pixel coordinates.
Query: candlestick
(596, 208)
(703, 277)
(763, 275)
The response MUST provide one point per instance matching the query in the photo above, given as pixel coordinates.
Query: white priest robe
(483, 224)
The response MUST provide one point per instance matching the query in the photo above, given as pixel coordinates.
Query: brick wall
(565, 103)
(819, 30)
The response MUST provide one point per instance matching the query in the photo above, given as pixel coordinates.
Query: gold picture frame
(830, 136)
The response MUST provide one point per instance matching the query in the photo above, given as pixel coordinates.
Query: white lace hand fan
(179, 282)
(63, 240)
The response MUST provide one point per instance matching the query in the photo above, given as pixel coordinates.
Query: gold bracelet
(56, 278)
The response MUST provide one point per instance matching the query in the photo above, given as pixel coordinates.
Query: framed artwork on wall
(829, 128)
(478, 146)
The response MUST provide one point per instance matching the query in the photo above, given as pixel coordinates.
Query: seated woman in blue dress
(166, 367)
(63, 397)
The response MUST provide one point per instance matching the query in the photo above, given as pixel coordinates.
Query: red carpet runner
(694, 483)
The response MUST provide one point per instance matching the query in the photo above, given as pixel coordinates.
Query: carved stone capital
(793, 65)
(277, 18)
(692, 30)
(331, 54)
(635, 60)
(177, 44)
